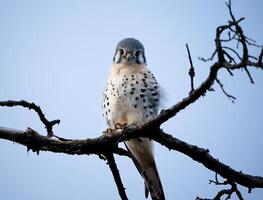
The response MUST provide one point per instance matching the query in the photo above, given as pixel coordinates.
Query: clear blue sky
(58, 54)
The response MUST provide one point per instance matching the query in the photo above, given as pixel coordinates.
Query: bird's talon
(132, 126)
(108, 131)
(120, 126)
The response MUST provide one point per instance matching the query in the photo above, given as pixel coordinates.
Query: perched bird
(132, 97)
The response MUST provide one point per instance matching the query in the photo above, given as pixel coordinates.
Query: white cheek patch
(117, 57)
(140, 58)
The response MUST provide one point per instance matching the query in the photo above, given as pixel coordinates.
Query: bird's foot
(119, 126)
(133, 125)
(109, 131)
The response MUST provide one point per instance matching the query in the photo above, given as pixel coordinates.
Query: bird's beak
(128, 56)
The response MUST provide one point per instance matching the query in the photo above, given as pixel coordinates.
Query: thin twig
(227, 192)
(229, 96)
(48, 124)
(249, 75)
(216, 182)
(234, 51)
(231, 59)
(260, 57)
(230, 38)
(191, 70)
(208, 59)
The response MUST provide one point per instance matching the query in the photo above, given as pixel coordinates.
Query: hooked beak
(128, 56)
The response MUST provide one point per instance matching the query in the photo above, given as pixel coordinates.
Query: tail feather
(146, 191)
(141, 149)
(153, 183)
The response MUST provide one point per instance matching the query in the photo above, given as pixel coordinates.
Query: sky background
(58, 54)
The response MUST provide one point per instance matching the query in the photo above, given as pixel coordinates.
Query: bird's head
(129, 51)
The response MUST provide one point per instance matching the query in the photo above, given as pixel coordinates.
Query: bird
(132, 98)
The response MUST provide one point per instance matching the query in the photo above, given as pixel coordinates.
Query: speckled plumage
(136, 93)
(132, 97)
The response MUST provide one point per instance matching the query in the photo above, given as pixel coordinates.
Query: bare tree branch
(48, 124)
(228, 192)
(104, 145)
(116, 175)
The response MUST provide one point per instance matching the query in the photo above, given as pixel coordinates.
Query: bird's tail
(141, 150)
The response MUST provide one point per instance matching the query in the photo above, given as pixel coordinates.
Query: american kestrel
(132, 97)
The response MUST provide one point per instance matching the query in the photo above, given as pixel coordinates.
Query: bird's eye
(137, 53)
(121, 51)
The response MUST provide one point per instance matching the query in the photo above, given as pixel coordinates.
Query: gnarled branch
(48, 124)
(104, 144)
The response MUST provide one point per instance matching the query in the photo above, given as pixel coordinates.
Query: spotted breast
(131, 98)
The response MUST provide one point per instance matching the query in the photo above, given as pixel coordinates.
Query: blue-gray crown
(129, 51)
(130, 44)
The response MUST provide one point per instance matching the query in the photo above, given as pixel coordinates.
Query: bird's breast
(131, 98)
